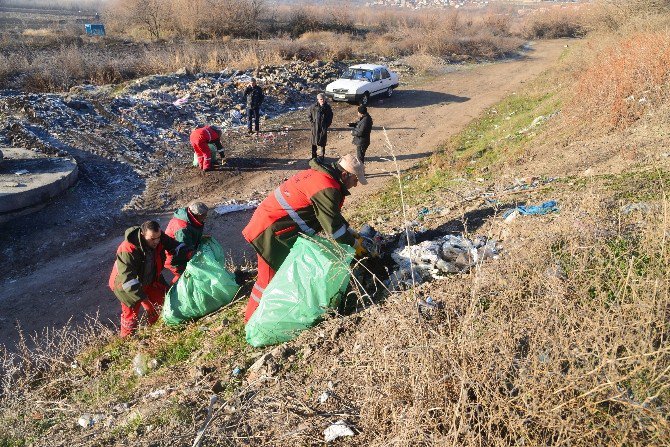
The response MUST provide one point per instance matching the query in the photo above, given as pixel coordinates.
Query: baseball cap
(353, 165)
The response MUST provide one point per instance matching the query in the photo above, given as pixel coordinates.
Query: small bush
(555, 23)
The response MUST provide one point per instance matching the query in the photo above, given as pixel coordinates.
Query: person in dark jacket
(361, 132)
(185, 226)
(255, 97)
(320, 117)
(136, 277)
(309, 202)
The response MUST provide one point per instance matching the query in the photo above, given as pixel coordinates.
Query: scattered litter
(140, 364)
(509, 217)
(428, 306)
(233, 206)
(236, 371)
(156, 394)
(181, 101)
(372, 240)
(550, 206)
(449, 254)
(21, 172)
(642, 207)
(121, 408)
(338, 430)
(236, 116)
(89, 420)
(324, 397)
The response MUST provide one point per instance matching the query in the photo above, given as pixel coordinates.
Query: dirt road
(417, 118)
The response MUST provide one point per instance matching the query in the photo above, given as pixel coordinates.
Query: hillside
(559, 339)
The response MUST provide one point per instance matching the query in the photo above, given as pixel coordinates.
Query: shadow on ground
(410, 99)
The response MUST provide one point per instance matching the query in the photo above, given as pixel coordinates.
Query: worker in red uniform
(136, 277)
(200, 140)
(308, 202)
(185, 227)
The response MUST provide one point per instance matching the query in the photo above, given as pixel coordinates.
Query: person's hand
(351, 124)
(361, 251)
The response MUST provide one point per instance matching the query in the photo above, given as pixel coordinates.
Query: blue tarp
(95, 29)
(547, 207)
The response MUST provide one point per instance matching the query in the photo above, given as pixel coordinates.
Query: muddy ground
(59, 281)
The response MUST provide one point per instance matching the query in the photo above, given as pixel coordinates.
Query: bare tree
(152, 15)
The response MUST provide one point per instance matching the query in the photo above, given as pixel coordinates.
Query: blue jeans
(255, 114)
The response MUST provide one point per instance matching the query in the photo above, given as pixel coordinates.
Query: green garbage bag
(204, 287)
(311, 280)
(212, 149)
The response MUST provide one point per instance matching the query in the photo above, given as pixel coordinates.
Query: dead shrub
(424, 63)
(625, 81)
(554, 23)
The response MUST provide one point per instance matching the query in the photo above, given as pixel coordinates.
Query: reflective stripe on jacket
(128, 271)
(309, 202)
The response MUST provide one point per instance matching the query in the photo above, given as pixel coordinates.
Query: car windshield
(359, 74)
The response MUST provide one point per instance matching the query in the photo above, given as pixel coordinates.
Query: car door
(378, 85)
(386, 78)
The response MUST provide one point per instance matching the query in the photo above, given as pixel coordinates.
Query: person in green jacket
(185, 226)
(136, 277)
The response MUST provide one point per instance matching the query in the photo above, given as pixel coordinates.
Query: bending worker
(136, 277)
(308, 202)
(200, 139)
(185, 226)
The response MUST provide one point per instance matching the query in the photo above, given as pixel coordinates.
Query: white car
(361, 82)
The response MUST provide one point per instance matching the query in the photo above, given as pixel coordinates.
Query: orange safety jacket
(309, 202)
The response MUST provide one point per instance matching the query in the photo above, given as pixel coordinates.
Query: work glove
(361, 251)
(351, 124)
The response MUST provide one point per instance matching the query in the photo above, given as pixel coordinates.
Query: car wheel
(365, 99)
(389, 93)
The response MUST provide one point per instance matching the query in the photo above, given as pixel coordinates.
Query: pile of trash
(435, 258)
(142, 123)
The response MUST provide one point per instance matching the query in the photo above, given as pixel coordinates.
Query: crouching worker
(185, 226)
(136, 277)
(308, 202)
(200, 139)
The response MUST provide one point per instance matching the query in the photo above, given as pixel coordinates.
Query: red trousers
(204, 155)
(265, 275)
(152, 304)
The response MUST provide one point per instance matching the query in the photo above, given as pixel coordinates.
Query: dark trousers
(323, 151)
(255, 114)
(360, 152)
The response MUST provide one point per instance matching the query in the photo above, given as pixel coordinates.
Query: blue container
(95, 29)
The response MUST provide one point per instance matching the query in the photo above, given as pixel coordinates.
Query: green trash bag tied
(312, 279)
(204, 287)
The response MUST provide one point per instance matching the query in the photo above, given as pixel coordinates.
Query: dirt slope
(418, 118)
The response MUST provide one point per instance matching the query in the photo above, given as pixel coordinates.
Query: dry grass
(523, 354)
(627, 80)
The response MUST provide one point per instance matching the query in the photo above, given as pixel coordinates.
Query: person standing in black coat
(361, 132)
(320, 117)
(255, 97)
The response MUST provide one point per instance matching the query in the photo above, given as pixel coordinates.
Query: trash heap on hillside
(144, 122)
(435, 258)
